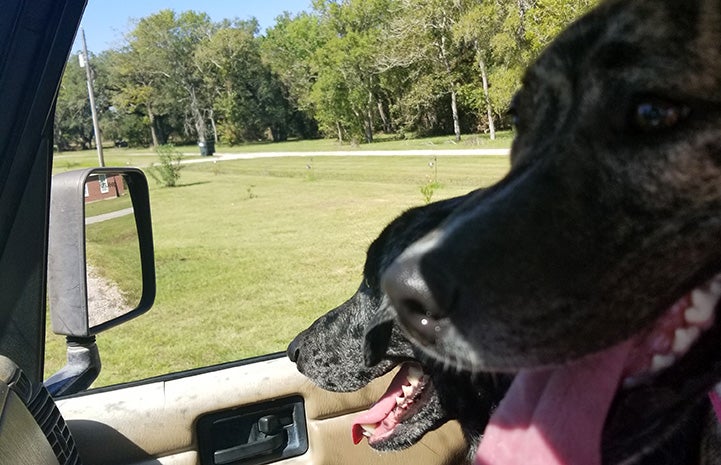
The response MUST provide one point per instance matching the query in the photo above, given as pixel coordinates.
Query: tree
(477, 25)
(421, 37)
(248, 96)
(346, 92)
(229, 62)
(73, 118)
(507, 37)
(289, 48)
(142, 86)
(347, 68)
(549, 18)
(73, 121)
(158, 70)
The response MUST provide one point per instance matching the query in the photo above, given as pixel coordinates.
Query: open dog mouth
(673, 334)
(407, 394)
(557, 415)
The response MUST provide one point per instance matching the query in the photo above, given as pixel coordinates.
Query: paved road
(351, 153)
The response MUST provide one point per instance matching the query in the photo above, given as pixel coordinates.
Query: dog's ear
(378, 334)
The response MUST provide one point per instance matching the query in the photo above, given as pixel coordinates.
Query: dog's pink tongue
(555, 416)
(376, 414)
(381, 410)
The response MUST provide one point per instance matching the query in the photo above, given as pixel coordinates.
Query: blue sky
(105, 21)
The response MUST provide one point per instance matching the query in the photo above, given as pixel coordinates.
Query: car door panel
(155, 422)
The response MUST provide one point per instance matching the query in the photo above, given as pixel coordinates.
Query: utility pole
(85, 63)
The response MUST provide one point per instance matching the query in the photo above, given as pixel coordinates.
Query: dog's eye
(657, 114)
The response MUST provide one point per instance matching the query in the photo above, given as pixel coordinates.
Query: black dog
(422, 396)
(592, 268)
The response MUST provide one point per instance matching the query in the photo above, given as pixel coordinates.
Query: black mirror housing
(67, 279)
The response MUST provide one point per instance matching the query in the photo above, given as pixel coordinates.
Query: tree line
(346, 69)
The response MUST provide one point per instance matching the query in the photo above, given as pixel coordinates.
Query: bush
(428, 189)
(167, 173)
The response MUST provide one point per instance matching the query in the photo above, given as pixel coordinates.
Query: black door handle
(245, 451)
(253, 435)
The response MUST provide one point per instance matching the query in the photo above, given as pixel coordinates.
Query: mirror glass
(114, 272)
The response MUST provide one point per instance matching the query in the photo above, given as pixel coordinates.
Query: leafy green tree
(348, 68)
(73, 121)
(507, 37)
(549, 18)
(230, 63)
(115, 123)
(346, 92)
(289, 48)
(249, 98)
(421, 40)
(141, 88)
(158, 69)
(477, 25)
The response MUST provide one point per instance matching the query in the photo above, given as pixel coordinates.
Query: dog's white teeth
(715, 286)
(368, 429)
(400, 400)
(702, 308)
(671, 339)
(683, 338)
(659, 362)
(414, 375)
(704, 298)
(407, 390)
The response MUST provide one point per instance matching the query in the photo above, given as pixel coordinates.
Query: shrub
(167, 172)
(428, 189)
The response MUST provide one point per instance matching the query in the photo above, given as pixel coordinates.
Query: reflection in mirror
(114, 272)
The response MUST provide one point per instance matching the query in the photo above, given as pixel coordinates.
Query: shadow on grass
(191, 184)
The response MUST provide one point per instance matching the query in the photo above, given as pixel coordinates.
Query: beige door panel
(155, 423)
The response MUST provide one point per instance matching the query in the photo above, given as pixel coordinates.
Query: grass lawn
(250, 252)
(470, 141)
(64, 161)
(112, 251)
(107, 206)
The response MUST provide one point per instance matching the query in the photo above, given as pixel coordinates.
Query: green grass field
(64, 161)
(250, 252)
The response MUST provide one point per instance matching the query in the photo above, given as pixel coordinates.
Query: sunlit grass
(107, 205)
(112, 250)
(64, 161)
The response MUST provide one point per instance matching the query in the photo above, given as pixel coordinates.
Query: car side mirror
(101, 270)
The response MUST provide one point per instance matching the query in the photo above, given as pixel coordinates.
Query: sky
(105, 21)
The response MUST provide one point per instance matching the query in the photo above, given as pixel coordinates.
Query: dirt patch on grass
(105, 299)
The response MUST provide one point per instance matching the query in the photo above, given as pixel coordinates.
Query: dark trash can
(207, 148)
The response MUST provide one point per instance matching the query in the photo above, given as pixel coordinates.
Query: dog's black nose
(294, 349)
(410, 293)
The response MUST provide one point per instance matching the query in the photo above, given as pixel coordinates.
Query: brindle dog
(593, 269)
(331, 353)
